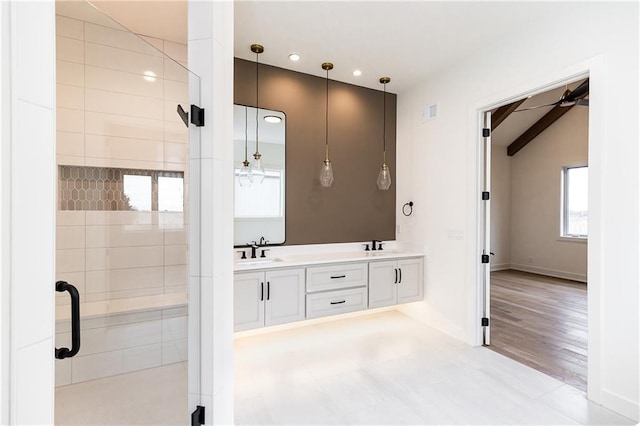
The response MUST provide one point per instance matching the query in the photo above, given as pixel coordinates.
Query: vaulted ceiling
(521, 125)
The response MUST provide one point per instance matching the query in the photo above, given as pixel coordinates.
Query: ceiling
(405, 40)
(518, 122)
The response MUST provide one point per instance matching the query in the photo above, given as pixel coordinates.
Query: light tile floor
(157, 396)
(382, 369)
(389, 369)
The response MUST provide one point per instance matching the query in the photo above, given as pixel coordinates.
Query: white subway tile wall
(116, 108)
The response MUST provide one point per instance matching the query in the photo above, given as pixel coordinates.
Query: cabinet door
(382, 284)
(411, 285)
(284, 296)
(248, 305)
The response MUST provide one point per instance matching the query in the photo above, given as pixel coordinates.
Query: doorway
(122, 225)
(535, 230)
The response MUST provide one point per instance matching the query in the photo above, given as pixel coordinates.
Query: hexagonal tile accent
(102, 188)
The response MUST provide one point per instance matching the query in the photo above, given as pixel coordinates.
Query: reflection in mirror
(259, 207)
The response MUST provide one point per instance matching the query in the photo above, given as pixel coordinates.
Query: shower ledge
(123, 306)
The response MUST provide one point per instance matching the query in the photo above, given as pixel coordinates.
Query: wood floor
(541, 322)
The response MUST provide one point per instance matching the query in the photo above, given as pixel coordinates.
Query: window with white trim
(575, 191)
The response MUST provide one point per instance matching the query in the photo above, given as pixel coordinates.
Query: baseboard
(550, 272)
(500, 267)
(621, 405)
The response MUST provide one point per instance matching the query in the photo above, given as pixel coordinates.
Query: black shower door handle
(63, 353)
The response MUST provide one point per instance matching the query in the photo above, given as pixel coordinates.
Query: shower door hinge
(485, 322)
(485, 195)
(197, 115)
(197, 417)
(486, 133)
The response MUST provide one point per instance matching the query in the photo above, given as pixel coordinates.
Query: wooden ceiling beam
(539, 127)
(501, 113)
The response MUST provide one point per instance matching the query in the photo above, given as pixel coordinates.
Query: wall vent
(429, 112)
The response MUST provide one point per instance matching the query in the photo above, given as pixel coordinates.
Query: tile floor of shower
(384, 368)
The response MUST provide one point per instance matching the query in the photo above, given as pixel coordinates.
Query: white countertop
(310, 259)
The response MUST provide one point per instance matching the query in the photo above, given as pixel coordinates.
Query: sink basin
(379, 252)
(259, 261)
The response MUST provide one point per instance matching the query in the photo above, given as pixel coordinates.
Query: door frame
(594, 69)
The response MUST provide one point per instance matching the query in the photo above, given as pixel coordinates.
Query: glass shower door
(122, 223)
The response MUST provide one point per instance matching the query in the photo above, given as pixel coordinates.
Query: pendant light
(326, 172)
(384, 176)
(257, 168)
(245, 178)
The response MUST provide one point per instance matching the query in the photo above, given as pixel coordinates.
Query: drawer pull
(337, 303)
(335, 277)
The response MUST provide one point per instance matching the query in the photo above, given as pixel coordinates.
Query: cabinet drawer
(335, 277)
(336, 302)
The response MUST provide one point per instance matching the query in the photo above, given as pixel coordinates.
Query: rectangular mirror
(259, 210)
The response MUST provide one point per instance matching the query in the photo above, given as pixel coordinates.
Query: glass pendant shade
(245, 178)
(384, 177)
(326, 174)
(257, 168)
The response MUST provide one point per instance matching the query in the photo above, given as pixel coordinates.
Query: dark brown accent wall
(352, 209)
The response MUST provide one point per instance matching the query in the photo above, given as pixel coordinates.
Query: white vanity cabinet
(336, 289)
(267, 298)
(395, 281)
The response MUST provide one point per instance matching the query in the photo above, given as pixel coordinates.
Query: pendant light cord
(246, 132)
(384, 125)
(326, 121)
(257, 104)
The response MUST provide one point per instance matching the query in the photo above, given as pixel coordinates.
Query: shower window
(170, 194)
(137, 192)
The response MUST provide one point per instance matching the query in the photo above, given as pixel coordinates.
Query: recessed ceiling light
(294, 57)
(149, 76)
(272, 119)
(357, 73)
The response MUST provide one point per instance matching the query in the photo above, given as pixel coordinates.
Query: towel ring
(407, 206)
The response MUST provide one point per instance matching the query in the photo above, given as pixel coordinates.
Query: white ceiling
(405, 40)
(518, 122)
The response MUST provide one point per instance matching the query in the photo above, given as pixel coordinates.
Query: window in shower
(170, 194)
(137, 192)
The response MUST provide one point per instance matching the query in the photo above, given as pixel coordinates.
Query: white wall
(500, 208)
(28, 203)
(442, 155)
(535, 200)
